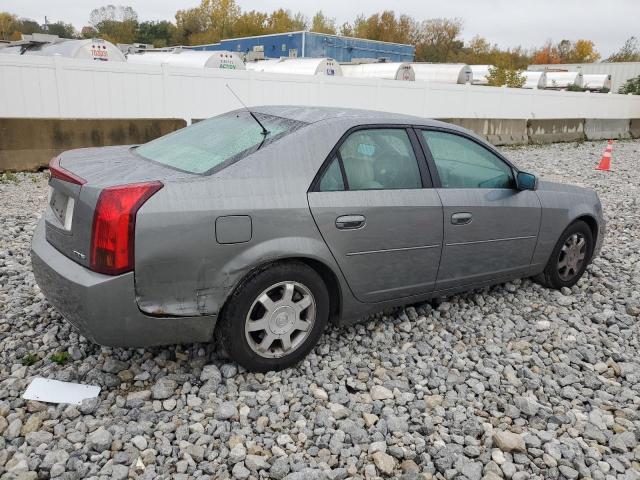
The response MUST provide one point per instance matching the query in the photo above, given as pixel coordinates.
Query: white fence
(46, 87)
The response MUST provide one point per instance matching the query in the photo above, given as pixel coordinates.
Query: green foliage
(29, 359)
(438, 40)
(575, 88)
(322, 24)
(9, 177)
(629, 52)
(631, 86)
(63, 30)
(507, 77)
(28, 26)
(158, 34)
(480, 52)
(60, 358)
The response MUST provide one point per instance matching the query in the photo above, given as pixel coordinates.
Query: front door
(378, 215)
(490, 227)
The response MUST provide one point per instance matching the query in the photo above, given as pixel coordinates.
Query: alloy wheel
(280, 319)
(572, 256)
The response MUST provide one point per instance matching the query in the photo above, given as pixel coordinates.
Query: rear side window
(374, 159)
(332, 179)
(462, 163)
(210, 145)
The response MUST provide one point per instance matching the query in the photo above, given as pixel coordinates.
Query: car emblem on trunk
(81, 255)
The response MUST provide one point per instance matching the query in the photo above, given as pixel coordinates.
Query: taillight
(56, 171)
(114, 221)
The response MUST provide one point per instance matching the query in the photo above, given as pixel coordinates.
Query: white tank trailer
(534, 80)
(87, 49)
(261, 65)
(189, 58)
(298, 66)
(480, 74)
(443, 72)
(389, 71)
(562, 80)
(596, 81)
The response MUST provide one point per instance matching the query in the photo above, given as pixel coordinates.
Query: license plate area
(62, 208)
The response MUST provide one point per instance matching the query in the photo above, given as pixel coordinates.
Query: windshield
(210, 145)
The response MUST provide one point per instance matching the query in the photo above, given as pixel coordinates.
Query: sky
(505, 22)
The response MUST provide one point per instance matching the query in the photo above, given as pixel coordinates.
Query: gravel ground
(513, 381)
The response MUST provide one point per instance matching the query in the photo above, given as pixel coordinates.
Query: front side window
(462, 163)
(375, 159)
(209, 145)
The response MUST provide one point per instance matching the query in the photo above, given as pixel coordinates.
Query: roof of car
(315, 114)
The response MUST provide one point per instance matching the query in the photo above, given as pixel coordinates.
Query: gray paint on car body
(183, 274)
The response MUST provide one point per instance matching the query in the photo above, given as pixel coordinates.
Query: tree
(281, 21)
(115, 24)
(220, 15)
(546, 55)
(159, 34)
(346, 30)
(88, 32)
(112, 13)
(385, 27)
(438, 40)
(8, 25)
(566, 51)
(61, 29)
(631, 86)
(480, 52)
(500, 76)
(29, 27)
(584, 51)
(250, 24)
(322, 24)
(629, 52)
(189, 24)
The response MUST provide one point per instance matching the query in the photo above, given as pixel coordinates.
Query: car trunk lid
(77, 179)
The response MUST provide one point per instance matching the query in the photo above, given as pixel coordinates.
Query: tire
(267, 333)
(555, 276)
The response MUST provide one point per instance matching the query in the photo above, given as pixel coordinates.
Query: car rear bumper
(102, 307)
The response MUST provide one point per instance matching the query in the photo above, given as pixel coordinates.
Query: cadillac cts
(258, 228)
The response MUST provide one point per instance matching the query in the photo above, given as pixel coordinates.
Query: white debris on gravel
(514, 381)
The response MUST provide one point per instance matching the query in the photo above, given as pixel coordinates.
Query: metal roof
(311, 114)
(300, 32)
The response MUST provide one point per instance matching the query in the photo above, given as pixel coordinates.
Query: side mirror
(526, 181)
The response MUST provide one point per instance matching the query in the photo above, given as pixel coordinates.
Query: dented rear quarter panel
(180, 268)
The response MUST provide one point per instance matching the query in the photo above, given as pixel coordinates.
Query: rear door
(377, 212)
(490, 227)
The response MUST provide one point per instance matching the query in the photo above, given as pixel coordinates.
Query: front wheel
(275, 317)
(570, 257)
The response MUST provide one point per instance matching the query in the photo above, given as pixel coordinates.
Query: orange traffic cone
(605, 161)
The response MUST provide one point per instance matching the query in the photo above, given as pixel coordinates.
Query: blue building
(314, 45)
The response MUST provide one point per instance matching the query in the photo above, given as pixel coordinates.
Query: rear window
(210, 145)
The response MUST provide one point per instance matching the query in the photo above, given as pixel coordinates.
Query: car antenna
(265, 132)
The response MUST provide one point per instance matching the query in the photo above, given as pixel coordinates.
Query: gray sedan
(258, 228)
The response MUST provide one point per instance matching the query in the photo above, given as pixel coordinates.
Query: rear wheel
(570, 257)
(275, 317)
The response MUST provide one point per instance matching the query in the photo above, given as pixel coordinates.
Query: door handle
(461, 218)
(350, 222)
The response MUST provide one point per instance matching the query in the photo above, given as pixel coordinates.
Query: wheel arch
(329, 277)
(592, 223)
